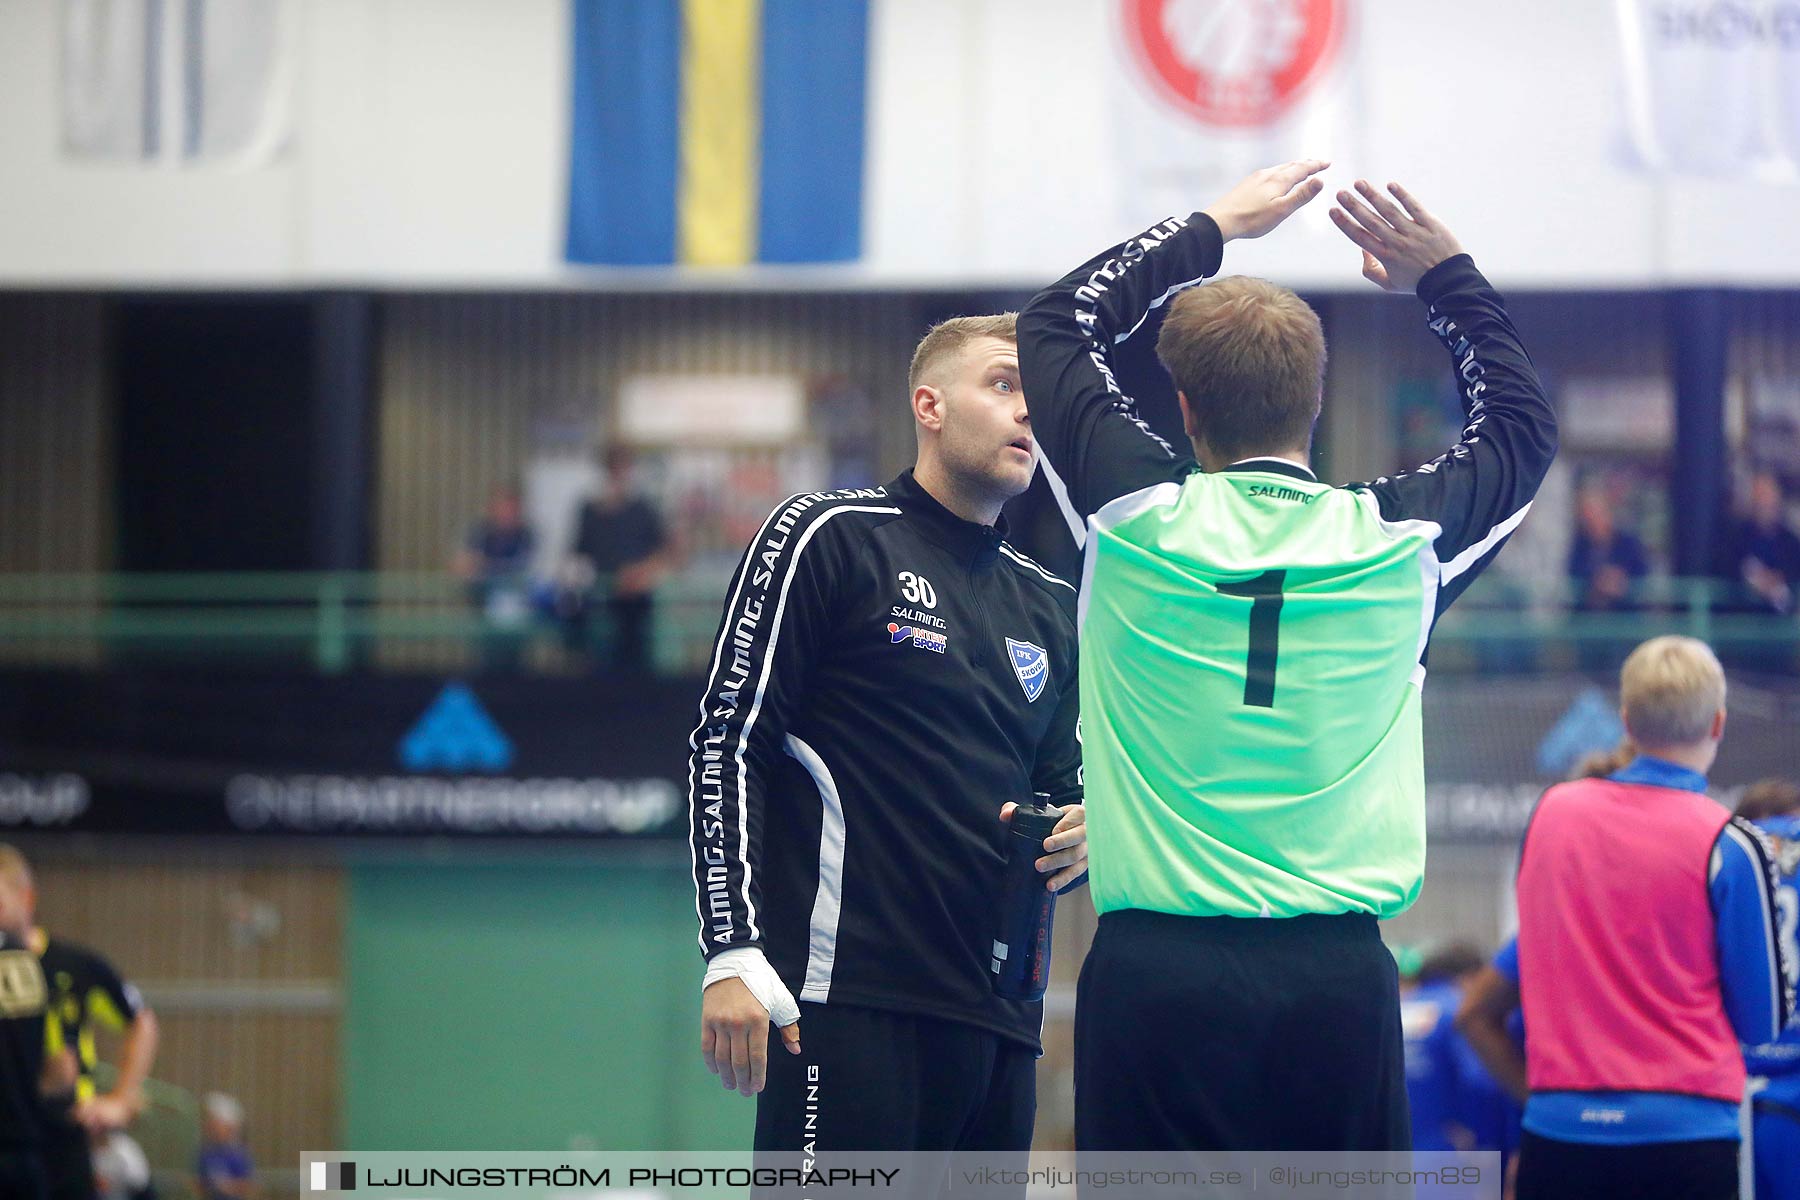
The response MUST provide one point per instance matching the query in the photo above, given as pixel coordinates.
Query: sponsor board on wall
(343, 756)
(348, 756)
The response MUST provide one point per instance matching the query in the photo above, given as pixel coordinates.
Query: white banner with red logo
(1205, 91)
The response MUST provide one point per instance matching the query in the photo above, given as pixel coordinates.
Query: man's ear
(928, 407)
(1718, 726)
(1189, 426)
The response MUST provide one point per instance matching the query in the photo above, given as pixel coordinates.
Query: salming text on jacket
(887, 675)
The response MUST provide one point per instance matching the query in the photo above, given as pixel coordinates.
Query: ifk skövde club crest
(1031, 664)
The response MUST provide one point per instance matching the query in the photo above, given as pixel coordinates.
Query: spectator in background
(224, 1168)
(1633, 1059)
(1773, 806)
(621, 552)
(85, 992)
(1427, 1016)
(1605, 562)
(1493, 1028)
(499, 547)
(495, 563)
(1486, 1106)
(23, 998)
(1763, 552)
(1605, 565)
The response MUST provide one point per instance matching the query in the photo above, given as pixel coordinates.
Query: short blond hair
(1250, 357)
(15, 869)
(948, 339)
(1670, 689)
(223, 1108)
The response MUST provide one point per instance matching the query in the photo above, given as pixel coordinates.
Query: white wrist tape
(748, 964)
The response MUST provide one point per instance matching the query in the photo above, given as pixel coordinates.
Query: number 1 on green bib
(1264, 592)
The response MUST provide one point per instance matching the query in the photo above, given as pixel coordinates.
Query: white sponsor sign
(712, 409)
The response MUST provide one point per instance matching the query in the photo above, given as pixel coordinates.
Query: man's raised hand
(1266, 198)
(1400, 241)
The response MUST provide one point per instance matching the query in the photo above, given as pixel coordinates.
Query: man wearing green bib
(1253, 645)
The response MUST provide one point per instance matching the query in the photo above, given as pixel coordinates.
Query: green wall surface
(527, 1005)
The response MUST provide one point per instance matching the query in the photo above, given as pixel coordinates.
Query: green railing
(333, 619)
(1502, 606)
(337, 620)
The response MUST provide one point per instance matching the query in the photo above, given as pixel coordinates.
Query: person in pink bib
(1649, 951)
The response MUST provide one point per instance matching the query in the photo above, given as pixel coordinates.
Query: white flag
(111, 78)
(240, 76)
(1710, 89)
(178, 81)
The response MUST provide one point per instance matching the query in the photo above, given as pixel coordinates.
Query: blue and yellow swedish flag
(717, 132)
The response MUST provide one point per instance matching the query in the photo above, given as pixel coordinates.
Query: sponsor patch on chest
(923, 639)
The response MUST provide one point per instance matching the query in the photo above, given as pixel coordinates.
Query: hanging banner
(179, 82)
(1206, 91)
(717, 133)
(1712, 89)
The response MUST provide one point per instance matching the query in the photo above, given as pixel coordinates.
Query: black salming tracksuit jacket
(886, 676)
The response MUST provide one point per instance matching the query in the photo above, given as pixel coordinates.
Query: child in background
(224, 1168)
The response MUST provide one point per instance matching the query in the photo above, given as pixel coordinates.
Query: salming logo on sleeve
(1469, 370)
(718, 775)
(1099, 285)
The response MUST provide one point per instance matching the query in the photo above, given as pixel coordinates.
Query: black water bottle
(1021, 965)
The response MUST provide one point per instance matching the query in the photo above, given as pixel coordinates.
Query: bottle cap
(1036, 821)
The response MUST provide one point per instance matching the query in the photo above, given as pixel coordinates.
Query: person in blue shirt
(224, 1167)
(1605, 562)
(1447, 1088)
(1773, 806)
(1493, 1028)
(1607, 565)
(498, 550)
(1762, 553)
(494, 563)
(1425, 1003)
(1484, 1106)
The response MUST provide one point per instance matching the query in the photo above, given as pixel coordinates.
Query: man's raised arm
(1085, 425)
(1479, 490)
